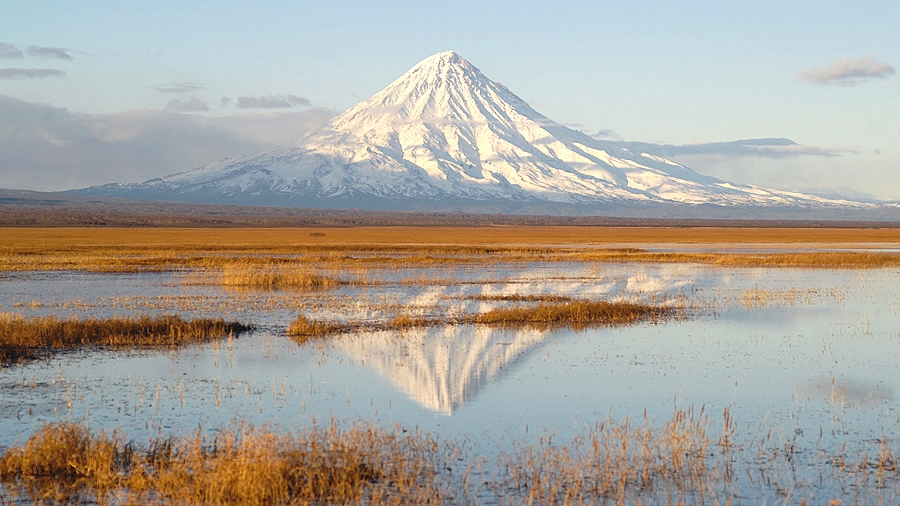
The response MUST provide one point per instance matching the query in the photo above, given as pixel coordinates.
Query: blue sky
(101, 91)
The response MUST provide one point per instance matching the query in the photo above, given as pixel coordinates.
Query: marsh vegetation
(450, 366)
(266, 276)
(562, 312)
(24, 338)
(66, 463)
(677, 461)
(338, 249)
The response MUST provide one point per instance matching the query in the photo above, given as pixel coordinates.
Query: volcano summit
(445, 137)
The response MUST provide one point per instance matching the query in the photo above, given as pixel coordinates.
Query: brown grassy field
(28, 338)
(132, 249)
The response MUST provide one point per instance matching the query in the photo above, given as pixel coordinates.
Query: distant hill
(23, 208)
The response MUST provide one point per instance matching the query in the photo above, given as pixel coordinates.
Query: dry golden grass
(756, 297)
(303, 330)
(571, 314)
(27, 338)
(63, 462)
(246, 275)
(126, 249)
(361, 464)
(800, 259)
(560, 313)
(619, 463)
(405, 321)
(671, 462)
(521, 298)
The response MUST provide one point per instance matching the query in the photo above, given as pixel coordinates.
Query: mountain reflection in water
(444, 367)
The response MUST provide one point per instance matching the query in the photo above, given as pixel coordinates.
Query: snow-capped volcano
(443, 133)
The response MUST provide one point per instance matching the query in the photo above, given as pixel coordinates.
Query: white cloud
(848, 72)
(272, 102)
(16, 73)
(606, 134)
(192, 104)
(10, 51)
(48, 148)
(57, 53)
(786, 165)
(182, 87)
(746, 148)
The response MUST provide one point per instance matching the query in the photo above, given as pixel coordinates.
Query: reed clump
(64, 463)
(405, 321)
(327, 464)
(245, 275)
(303, 330)
(571, 314)
(28, 338)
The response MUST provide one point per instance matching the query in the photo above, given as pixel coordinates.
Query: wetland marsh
(765, 371)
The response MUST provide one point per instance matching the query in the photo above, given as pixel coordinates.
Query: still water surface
(806, 356)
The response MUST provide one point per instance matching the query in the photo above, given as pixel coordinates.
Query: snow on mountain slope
(443, 130)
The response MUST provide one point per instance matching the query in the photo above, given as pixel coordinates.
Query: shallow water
(801, 357)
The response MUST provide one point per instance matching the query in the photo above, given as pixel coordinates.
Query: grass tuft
(405, 321)
(247, 275)
(303, 330)
(572, 314)
(29, 338)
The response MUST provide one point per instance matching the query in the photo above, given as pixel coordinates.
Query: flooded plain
(797, 368)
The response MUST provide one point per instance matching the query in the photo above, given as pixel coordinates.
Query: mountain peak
(442, 62)
(443, 70)
(444, 56)
(443, 88)
(443, 132)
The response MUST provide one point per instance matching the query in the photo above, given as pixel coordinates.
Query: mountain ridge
(444, 134)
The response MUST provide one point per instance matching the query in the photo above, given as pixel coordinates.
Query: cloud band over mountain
(272, 102)
(745, 148)
(51, 148)
(72, 150)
